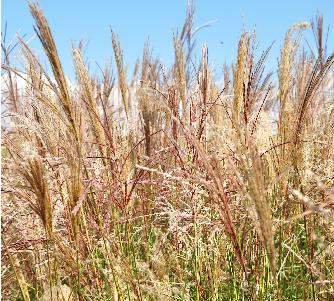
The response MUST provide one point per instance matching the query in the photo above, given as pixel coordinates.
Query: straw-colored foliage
(171, 186)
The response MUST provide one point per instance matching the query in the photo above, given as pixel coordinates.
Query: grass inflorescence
(171, 186)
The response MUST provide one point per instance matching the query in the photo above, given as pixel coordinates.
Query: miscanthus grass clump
(172, 185)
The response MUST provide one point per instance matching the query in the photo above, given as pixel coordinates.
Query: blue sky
(135, 21)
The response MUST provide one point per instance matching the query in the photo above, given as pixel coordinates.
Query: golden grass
(181, 189)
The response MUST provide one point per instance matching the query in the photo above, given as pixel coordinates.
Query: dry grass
(169, 186)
